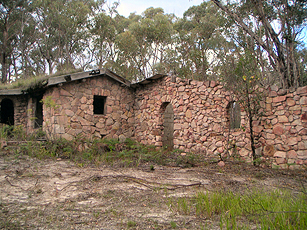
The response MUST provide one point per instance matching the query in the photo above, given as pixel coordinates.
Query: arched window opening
(7, 111)
(234, 113)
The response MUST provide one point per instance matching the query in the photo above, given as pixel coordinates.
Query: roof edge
(84, 75)
(11, 92)
(87, 74)
(148, 80)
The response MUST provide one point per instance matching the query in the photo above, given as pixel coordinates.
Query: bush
(110, 152)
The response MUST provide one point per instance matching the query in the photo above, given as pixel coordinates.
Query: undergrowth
(257, 209)
(108, 152)
(17, 133)
(97, 151)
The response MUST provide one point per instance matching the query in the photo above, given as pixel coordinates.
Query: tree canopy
(43, 37)
(274, 27)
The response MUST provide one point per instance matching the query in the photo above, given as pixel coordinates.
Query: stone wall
(201, 121)
(283, 129)
(73, 111)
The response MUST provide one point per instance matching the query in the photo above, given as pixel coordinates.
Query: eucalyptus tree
(199, 40)
(62, 31)
(143, 44)
(103, 28)
(13, 15)
(103, 34)
(302, 60)
(274, 26)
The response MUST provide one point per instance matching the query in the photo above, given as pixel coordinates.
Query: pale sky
(177, 7)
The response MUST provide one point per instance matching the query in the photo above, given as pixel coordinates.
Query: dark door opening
(168, 125)
(7, 111)
(38, 112)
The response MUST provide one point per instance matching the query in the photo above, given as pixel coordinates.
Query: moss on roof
(34, 81)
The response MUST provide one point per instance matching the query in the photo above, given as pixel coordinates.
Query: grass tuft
(278, 209)
(131, 224)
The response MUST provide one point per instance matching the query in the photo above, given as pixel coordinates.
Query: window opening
(99, 104)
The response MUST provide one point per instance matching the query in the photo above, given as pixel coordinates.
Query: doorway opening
(168, 125)
(7, 111)
(38, 112)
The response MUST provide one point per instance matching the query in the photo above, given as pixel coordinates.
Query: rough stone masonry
(168, 111)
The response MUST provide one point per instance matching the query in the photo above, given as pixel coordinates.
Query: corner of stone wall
(284, 129)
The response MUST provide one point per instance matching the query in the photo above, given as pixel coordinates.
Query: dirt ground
(57, 194)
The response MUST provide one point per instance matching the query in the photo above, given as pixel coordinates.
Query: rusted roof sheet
(148, 80)
(8, 92)
(83, 75)
(87, 74)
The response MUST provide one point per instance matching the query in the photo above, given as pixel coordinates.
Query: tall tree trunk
(4, 68)
(4, 57)
(50, 66)
(250, 118)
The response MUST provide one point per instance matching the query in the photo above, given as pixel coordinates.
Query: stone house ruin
(163, 111)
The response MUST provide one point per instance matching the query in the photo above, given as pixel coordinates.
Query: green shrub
(104, 151)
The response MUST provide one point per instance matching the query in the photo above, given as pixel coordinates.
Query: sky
(177, 7)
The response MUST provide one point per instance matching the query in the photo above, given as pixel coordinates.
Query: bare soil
(57, 194)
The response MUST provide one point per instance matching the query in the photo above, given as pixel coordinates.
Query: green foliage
(148, 38)
(35, 82)
(278, 209)
(49, 102)
(6, 132)
(34, 149)
(156, 40)
(17, 133)
(60, 25)
(198, 37)
(302, 60)
(173, 225)
(11, 21)
(109, 152)
(275, 47)
(47, 36)
(241, 76)
(131, 224)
